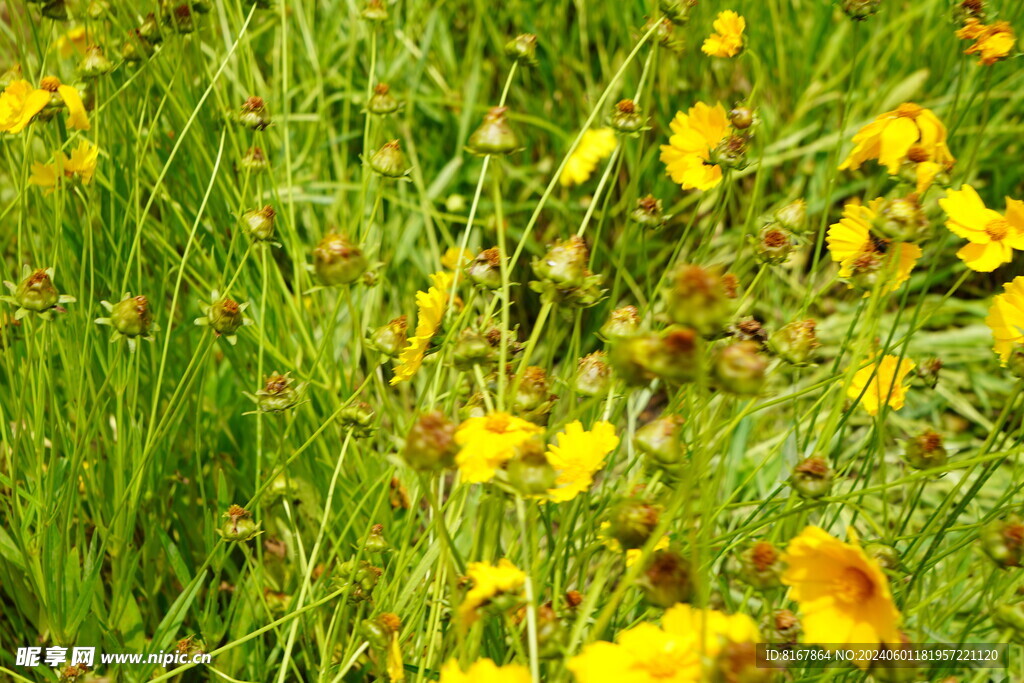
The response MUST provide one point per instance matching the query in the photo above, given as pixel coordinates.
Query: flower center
(662, 665)
(908, 110)
(50, 84)
(498, 424)
(998, 229)
(854, 585)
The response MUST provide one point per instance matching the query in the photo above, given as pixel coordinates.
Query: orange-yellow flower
(992, 42)
(595, 145)
(881, 383)
(484, 671)
(856, 248)
(695, 135)
(20, 103)
(727, 40)
(992, 236)
(891, 136)
(1006, 319)
(489, 581)
(430, 305)
(81, 166)
(843, 594)
(486, 443)
(577, 456)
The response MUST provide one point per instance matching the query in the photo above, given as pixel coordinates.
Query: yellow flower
(72, 42)
(578, 455)
(855, 247)
(395, 667)
(687, 156)
(884, 382)
(484, 671)
(595, 145)
(669, 654)
(19, 103)
(843, 594)
(489, 442)
(455, 258)
(1006, 318)
(992, 237)
(991, 42)
(727, 41)
(80, 166)
(430, 310)
(489, 581)
(892, 135)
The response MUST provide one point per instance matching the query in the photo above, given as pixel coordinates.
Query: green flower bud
(793, 216)
(389, 339)
(131, 317)
(1003, 540)
(593, 375)
(485, 269)
(622, 323)
(627, 118)
(430, 443)
(859, 10)
(928, 372)
(529, 472)
(357, 416)
(495, 135)
(255, 160)
(382, 102)
(677, 11)
(739, 368)
(795, 342)
(812, 477)
(774, 244)
(375, 542)
(254, 115)
(225, 316)
(648, 212)
(748, 329)
(181, 18)
(337, 261)
(902, 220)
(381, 629)
(95, 63)
(523, 48)
(472, 348)
(698, 298)
(969, 9)
(761, 566)
(259, 223)
(534, 392)
(662, 441)
(565, 263)
(731, 152)
(667, 579)
(150, 29)
(885, 555)
(282, 486)
(673, 355)
(239, 526)
(278, 394)
(925, 451)
(55, 9)
(389, 161)
(632, 522)
(741, 117)
(375, 11)
(782, 627)
(36, 292)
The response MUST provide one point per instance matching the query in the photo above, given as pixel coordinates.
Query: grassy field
(216, 435)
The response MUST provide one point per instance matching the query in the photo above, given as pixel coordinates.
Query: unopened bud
(902, 220)
(677, 11)
(698, 298)
(743, 661)
(278, 394)
(741, 117)
(1003, 540)
(926, 451)
(928, 371)
(632, 522)
(375, 542)
(793, 216)
(593, 375)
(259, 223)
(523, 48)
(495, 135)
(748, 329)
(254, 114)
(226, 316)
(731, 152)
(859, 10)
(565, 263)
(389, 339)
(885, 555)
(782, 627)
(667, 579)
(150, 29)
(182, 18)
(812, 477)
(239, 526)
(95, 63)
(649, 213)
(382, 102)
(430, 443)
(132, 317)
(627, 117)
(255, 160)
(36, 292)
(774, 244)
(529, 472)
(534, 390)
(1016, 360)
(795, 342)
(472, 348)
(374, 11)
(739, 368)
(485, 269)
(337, 261)
(761, 566)
(622, 323)
(662, 441)
(357, 417)
(389, 161)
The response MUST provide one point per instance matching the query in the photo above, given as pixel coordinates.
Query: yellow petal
(77, 117)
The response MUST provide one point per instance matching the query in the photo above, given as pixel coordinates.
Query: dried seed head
(812, 477)
(338, 261)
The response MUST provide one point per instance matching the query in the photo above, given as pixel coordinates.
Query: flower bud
(965, 10)
(55, 9)
(648, 212)
(565, 263)
(36, 292)
(495, 135)
(774, 244)
(731, 152)
(389, 161)
(136, 47)
(667, 579)
(374, 11)
(131, 317)
(225, 316)
(793, 216)
(748, 329)
(534, 390)
(1016, 360)
(812, 477)
(925, 451)
(380, 630)
(859, 10)
(697, 297)
(795, 342)
(254, 115)
(622, 323)
(902, 220)
(782, 627)
(662, 441)
(95, 63)
(523, 48)
(928, 372)
(627, 117)
(258, 224)
(278, 394)
(739, 368)
(741, 117)
(1003, 539)
(375, 542)
(357, 417)
(254, 160)
(472, 348)
(382, 102)
(485, 269)
(337, 261)
(150, 29)
(181, 19)
(761, 566)
(632, 522)
(389, 339)
(885, 555)
(529, 472)
(239, 526)
(430, 443)
(593, 375)
(676, 356)
(676, 11)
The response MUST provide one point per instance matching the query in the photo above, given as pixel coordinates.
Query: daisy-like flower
(992, 42)
(992, 236)
(596, 145)
(36, 293)
(577, 456)
(695, 136)
(884, 383)
(484, 671)
(670, 654)
(80, 166)
(486, 443)
(843, 594)
(20, 103)
(490, 581)
(224, 316)
(857, 249)
(430, 310)
(890, 137)
(727, 40)
(1006, 319)
(130, 318)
